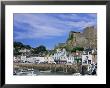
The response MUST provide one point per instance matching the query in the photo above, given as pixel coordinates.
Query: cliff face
(86, 39)
(90, 33)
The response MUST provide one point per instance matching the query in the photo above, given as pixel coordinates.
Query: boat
(77, 74)
(22, 72)
(26, 72)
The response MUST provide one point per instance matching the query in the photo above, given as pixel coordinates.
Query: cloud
(43, 32)
(39, 26)
(82, 24)
(83, 20)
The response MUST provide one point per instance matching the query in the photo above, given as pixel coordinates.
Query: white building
(32, 59)
(70, 59)
(86, 58)
(61, 56)
(50, 60)
(16, 59)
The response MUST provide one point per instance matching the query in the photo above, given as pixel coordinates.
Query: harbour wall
(74, 68)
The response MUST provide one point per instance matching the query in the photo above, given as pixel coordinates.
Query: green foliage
(68, 48)
(70, 37)
(38, 50)
(27, 46)
(19, 45)
(41, 50)
(77, 48)
(16, 52)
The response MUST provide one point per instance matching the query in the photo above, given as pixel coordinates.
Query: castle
(85, 39)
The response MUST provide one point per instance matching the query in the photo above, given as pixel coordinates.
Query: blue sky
(49, 29)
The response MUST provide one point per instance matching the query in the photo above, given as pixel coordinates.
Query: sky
(49, 29)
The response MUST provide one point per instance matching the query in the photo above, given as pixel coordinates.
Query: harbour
(48, 69)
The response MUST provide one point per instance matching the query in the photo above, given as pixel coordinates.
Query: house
(70, 58)
(25, 59)
(16, 59)
(77, 57)
(89, 56)
(86, 58)
(62, 57)
(49, 59)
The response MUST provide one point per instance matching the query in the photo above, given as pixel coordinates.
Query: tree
(16, 52)
(40, 50)
(27, 46)
(18, 45)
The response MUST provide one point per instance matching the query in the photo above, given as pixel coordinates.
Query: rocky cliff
(85, 39)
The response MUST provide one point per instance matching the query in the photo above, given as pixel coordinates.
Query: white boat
(26, 72)
(77, 74)
(22, 72)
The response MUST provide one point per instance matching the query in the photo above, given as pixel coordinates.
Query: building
(86, 58)
(70, 59)
(49, 59)
(89, 56)
(25, 59)
(62, 57)
(16, 59)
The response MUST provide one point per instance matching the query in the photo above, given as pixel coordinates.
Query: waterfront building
(89, 56)
(62, 57)
(16, 59)
(25, 59)
(51, 60)
(77, 57)
(89, 59)
(70, 58)
(86, 58)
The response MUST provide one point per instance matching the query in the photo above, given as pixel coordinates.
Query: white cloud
(40, 27)
(48, 26)
(82, 24)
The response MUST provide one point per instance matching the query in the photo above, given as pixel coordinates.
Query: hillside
(85, 39)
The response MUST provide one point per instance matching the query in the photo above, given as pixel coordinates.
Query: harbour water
(35, 72)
